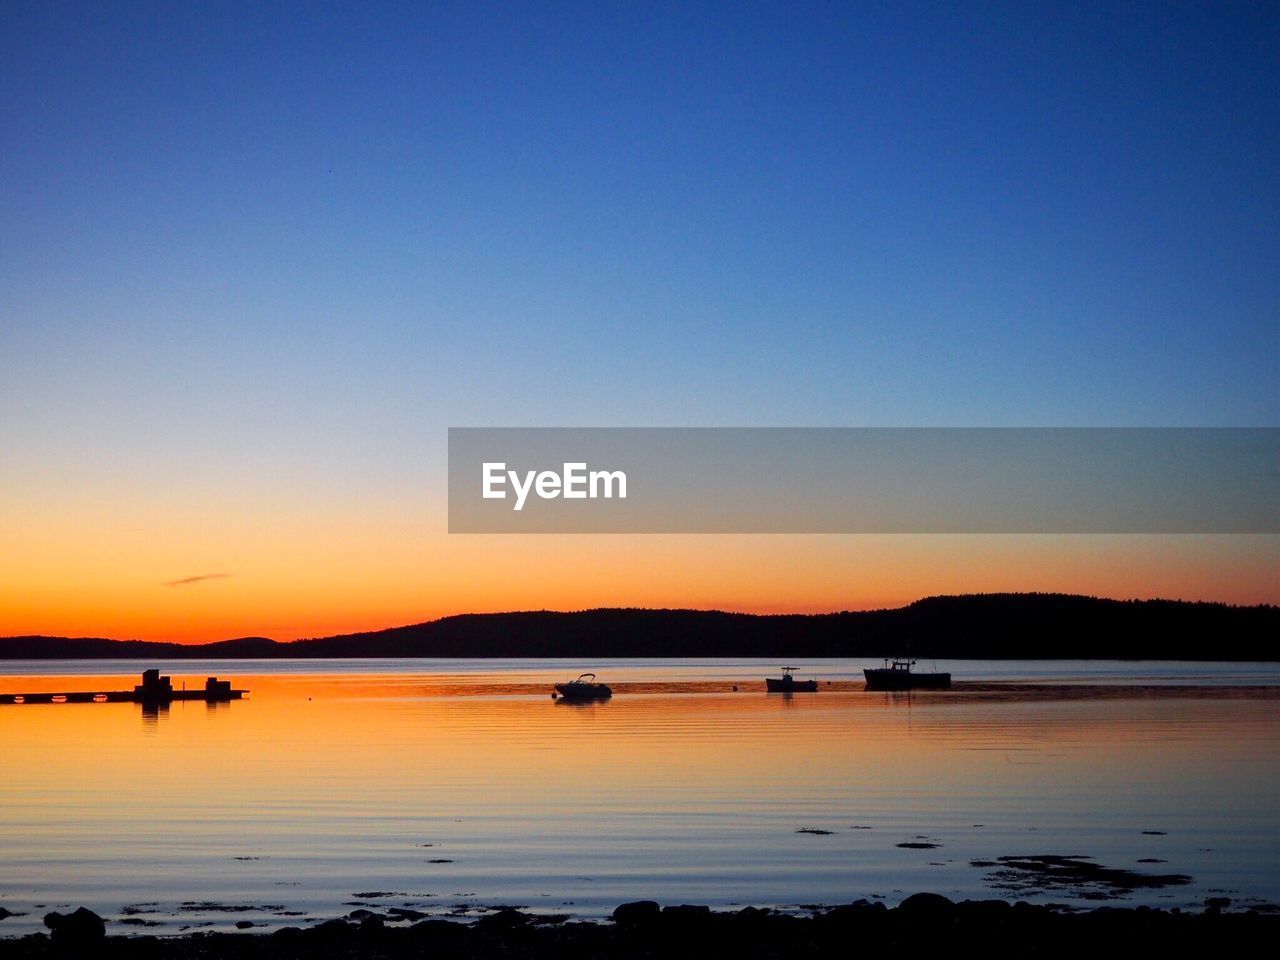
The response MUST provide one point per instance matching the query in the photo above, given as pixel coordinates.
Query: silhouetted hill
(983, 626)
(247, 648)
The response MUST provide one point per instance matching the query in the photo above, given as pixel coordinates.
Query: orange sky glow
(298, 576)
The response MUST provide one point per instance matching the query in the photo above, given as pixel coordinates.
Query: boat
(896, 674)
(789, 684)
(584, 688)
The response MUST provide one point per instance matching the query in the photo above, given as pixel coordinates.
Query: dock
(154, 690)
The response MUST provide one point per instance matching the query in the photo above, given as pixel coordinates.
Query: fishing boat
(789, 684)
(584, 688)
(896, 674)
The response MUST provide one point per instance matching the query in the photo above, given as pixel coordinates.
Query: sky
(255, 259)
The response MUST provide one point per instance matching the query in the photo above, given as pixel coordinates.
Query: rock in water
(927, 905)
(79, 927)
(505, 919)
(636, 913)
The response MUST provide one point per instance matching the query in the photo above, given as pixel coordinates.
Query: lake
(451, 787)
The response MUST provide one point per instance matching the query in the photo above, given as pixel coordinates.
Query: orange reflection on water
(372, 733)
(320, 785)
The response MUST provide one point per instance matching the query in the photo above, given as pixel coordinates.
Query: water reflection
(580, 705)
(895, 697)
(151, 714)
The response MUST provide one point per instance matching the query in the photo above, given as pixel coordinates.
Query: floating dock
(152, 691)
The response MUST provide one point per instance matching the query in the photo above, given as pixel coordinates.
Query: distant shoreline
(1029, 626)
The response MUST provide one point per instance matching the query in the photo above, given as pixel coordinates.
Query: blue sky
(606, 213)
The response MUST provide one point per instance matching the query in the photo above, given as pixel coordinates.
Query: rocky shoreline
(645, 929)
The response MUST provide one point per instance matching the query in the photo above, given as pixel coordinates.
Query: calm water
(452, 786)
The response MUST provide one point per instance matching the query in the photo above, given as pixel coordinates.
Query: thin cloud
(196, 579)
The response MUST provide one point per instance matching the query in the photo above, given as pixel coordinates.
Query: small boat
(789, 684)
(896, 674)
(584, 688)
